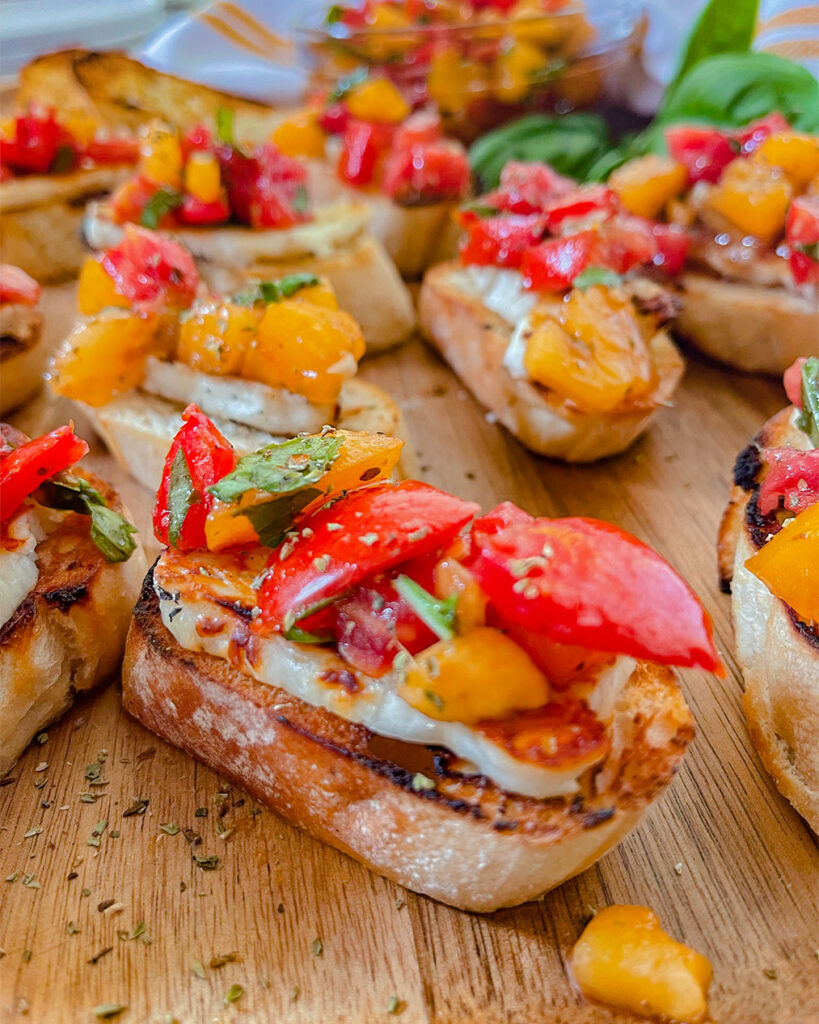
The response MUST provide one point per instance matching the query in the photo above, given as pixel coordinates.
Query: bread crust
(23, 362)
(138, 428)
(364, 278)
(779, 657)
(67, 635)
(466, 842)
(473, 339)
(754, 329)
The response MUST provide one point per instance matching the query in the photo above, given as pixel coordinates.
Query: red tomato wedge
(194, 211)
(151, 271)
(500, 241)
(363, 147)
(382, 526)
(529, 188)
(553, 265)
(424, 171)
(580, 203)
(793, 381)
(198, 458)
(755, 133)
(583, 582)
(802, 235)
(116, 149)
(17, 286)
(25, 468)
(704, 152)
(35, 144)
(793, 476)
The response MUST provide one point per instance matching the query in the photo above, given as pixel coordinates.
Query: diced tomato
(580, 203)
(383, 525)
(194, 211)
(116, 149)
(704, 152)
(793, 381)
(183, 500)
(129, 200)
(554, 264)
(625, 243)
(583, 582)
(672, 247)
(432, 171)
(26, 467)
(373, 624)
(196, 138)
(802, 235)
(34, 146)
(755, 133)
(793, 476)
(17, 286)
(262, 187)
(363, 146)
(499, 518)
(529, 187)
(419, 129)
(151, 271)
(334, 118)
(501, 241)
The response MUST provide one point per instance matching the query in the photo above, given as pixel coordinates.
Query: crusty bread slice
(335, 245)
(758, 330)
(473, 339)
(121, 92)
(22, 354)
(138, 427)
(466, 842)
(41, 219)
(778, 655)
(67, 635)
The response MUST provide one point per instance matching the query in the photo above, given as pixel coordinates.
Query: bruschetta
(548, 316)
(49, 168)
(70, 569)
(476, 706)
(769, 560)
(22, 357)
(248, 214)
(276, 359)
(749, 200)
(364, 143)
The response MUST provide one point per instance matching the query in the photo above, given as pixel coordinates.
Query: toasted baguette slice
(473, 339)
(758, 330)
(778, 655)
(415, 237)
(138, 427)
(121, 92)
(41, 219)
(67, 635)
(335, 245)
(22, 355)
(466, 842)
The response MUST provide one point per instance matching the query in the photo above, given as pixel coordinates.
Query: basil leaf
(724, 26)
(812, 250)
(301, 636)
(161, 202)
(346, 83)
(571, 144)
(275, 291)
(481, 210)
(181, 495)
(334, 14)
(439, 616)
(64, 160)
(300, 201)
(280, 468)
(111, 532)
(809, 416)
(597, 275)
(272, 519)
(224, 125)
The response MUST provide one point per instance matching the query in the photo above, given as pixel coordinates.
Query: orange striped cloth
(789, 28)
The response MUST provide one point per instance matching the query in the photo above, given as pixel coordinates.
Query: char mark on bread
(808, 630)
(760, 526)
(747, 467)
(64, 597)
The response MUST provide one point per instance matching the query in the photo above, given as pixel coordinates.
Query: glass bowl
(486, 69)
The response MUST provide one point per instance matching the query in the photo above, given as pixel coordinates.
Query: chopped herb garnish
(170, 829)
(480, 209)
(85, 892)
(42, 738)
(302, 636)
(13, 877)
(64, 160)
(809, 416)
(334, 14)
(33, 832)
(225, 958)
(111, 532)
(200, 812)
(105, 1011)
(346, 83)
(438, 615)
(224, 125)
(422, 782)
(133, 934)
(393, 1005)
(210, 863)
(113, 834)
(90, 798)
(398, 903)
(137, 807)
(71, 928)
(597, 275)
(198, 969)
(181, 495)
(234, 993)
(300, 201)
(162, 202)
(93, 770)
(30, 882)
(26, 956)
(317, 947)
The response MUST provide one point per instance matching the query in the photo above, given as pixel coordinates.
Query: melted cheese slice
(18, 561)
(198, 598)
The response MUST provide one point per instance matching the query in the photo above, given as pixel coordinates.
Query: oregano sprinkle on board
(106, 1011)
(234, 993)
(317, 947)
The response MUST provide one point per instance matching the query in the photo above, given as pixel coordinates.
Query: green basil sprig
(161, 202)
(274, 291)
(438, 615)
(111, 532)
(809, 416)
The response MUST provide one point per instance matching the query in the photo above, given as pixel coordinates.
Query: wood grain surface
(724, 860)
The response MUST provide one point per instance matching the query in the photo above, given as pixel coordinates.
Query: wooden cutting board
(313, 937)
